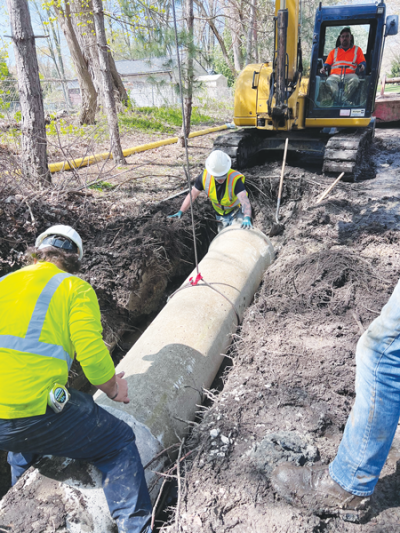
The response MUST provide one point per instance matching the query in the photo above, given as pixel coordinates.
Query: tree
(33, 130)
(54, 49)
(188, 92)
(88, 92)
(108, 92)
(395, 67)
(84, 25)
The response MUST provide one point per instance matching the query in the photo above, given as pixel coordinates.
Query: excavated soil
(290, 388)
(290, 385)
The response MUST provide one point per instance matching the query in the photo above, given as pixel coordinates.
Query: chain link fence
(57, 94)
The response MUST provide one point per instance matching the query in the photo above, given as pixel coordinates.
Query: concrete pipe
(177, 356)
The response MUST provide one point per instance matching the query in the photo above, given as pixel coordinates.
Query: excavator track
(343, 152)
(349, 153)
(245, 146)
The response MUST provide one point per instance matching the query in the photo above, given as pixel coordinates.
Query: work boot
(313, 488)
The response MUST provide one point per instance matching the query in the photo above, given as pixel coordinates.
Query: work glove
(246, 224)
(177, 215)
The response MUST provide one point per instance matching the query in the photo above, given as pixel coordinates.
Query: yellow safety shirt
(46, 315)
(229, 201)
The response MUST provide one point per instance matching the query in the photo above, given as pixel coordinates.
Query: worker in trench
(341, 65)
(344, 488)
(225, 188)
(46, 315)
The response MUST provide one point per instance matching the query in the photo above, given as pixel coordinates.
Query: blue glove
(246, 224)
(177, 215)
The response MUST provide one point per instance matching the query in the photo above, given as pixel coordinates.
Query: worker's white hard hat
(218, 163)
(71, 236)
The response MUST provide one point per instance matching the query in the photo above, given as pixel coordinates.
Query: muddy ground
(290, 387)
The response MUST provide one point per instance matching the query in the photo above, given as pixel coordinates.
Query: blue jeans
(373, 420)
(226, 220)
(85, 431)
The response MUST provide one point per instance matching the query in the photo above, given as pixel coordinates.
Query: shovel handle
(281, 180)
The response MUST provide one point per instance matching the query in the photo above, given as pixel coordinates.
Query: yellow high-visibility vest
(229, 201)
(46, 315)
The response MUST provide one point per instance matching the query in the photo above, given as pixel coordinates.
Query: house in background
(153, 82)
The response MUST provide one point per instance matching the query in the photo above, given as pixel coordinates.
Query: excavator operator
(225, 188)
(341, 65)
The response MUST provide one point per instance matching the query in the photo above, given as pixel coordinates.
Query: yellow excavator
(274, 102)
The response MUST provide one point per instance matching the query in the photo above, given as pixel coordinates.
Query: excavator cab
(346, 94)
(330, 115)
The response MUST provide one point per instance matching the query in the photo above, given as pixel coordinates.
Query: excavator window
(344, 88)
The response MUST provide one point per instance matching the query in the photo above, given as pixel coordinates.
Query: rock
(280, 447)
(214, 433)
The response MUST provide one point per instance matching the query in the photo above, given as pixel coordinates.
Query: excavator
(273, 101)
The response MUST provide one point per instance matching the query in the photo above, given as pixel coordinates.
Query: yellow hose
(89, 160)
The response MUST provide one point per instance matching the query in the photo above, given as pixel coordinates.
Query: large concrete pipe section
(176, 357)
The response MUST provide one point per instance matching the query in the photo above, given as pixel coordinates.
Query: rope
(199, 277)
(186, 169)
(195, 282)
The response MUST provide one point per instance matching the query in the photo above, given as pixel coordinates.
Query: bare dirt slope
(291, 387)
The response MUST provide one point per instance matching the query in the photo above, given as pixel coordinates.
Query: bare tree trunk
(255, 27)
(218, 36)
(234, 24)
(34, 143)
(188, 96)
(108, 89)
(83, 22)
(52, 50)
(56, 38)
(118, 83)
(88, 91)
(250, 32)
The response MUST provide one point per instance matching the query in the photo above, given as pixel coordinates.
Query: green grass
(101, 186)
(159, 119)
(390, 88)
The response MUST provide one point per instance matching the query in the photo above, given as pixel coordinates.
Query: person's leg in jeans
(227, 220)
(20, 462)
(87, 432)
(373, 420)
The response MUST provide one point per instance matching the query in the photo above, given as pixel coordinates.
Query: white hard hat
(61, 231)
(218, 163)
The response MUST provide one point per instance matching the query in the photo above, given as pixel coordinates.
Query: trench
(139, 326)
(178, 356)
(135, 328)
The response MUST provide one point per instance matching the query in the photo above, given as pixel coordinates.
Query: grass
(159, 119)
(389, 88)
(101, 186)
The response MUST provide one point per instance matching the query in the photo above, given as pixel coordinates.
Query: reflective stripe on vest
(232, 175)
(30, 343)
(342, 63)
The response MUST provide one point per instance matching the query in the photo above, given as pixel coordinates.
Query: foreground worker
(345, 487)
(342, 63)
(225, 188)
(47, 315)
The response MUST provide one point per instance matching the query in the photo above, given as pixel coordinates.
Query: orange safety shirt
(340, 59)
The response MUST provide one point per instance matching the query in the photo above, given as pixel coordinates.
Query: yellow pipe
(89, 160)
